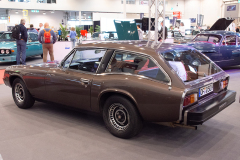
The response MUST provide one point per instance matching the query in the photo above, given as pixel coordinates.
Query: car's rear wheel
(121, 117)
(21, 96)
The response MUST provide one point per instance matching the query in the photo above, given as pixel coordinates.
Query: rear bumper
(8, 58)
(208, 107)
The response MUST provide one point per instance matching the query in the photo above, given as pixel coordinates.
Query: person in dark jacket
(237, 29)
(33, 30)
(22, 43)
(161, 32)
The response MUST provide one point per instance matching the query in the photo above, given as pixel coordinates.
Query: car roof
(133, 46)
(223, 33)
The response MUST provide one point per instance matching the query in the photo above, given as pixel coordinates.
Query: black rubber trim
(201, 112)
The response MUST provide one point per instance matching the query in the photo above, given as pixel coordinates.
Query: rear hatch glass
(189, 64)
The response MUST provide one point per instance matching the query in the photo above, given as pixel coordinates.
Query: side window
(238, 40)
(135, 64)
(213, 39)
(68, 61)
(87, 60)
(229, 40)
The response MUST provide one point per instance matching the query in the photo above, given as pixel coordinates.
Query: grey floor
(47, 132)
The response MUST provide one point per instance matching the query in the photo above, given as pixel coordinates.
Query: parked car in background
(96, 35)
(128, 83)
(223, 47)
(179, 38)
(8, 48)
(108, 36)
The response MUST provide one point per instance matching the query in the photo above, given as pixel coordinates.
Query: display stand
(60, 50)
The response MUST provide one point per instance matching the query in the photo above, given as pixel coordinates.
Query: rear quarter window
(136, 64)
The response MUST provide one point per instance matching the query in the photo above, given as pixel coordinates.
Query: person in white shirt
(140, 32)
(182, 29)
(41, 27)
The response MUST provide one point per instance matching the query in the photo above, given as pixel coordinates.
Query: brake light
(190, 99)
(224, 84)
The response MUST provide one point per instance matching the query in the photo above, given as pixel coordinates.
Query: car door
(229, 50)
(71, 83)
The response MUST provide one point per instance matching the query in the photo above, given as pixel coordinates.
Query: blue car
(223, 47)
(8, 48)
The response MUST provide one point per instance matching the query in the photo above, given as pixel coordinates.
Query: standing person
(140, 32)
(237, 30)
(72, 36)
(161, 32)
(59, 34)
(47, 37)
(22, 43)
(40, 27)
(33, 30)
(182, 29)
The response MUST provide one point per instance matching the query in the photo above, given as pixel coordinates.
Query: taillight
(224, 84)
(190, 99)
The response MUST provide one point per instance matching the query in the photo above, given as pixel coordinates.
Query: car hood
(6, 44)
(221, 24)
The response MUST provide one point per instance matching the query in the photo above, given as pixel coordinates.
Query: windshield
(189, 64)
(6, 36)
(207, 38)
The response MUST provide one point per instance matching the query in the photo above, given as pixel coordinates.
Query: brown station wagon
(128, 83)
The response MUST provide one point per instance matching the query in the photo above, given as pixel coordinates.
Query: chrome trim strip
(181, 104)
(185, 117)
(224, 60)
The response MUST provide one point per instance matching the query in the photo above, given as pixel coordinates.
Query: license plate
(205, 90)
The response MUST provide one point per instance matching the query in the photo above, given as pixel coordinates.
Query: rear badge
(220, 107)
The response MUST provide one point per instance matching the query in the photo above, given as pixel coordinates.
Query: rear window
(189, 64)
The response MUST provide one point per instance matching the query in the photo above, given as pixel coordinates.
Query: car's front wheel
(21, 96)
(121, 117)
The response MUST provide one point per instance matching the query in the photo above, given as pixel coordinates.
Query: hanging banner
(177, 14)
(25, 13)
(174, 21)
(143, 2)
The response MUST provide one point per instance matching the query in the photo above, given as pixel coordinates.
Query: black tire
(121, 117)
(21, 96)
(42, 55)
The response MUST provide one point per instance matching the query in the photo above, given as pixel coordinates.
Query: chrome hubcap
(19, 92)
(118, 116)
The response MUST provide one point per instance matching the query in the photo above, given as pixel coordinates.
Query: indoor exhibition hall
(119, 79)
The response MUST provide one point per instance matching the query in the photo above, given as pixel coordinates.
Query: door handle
(85, 81)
